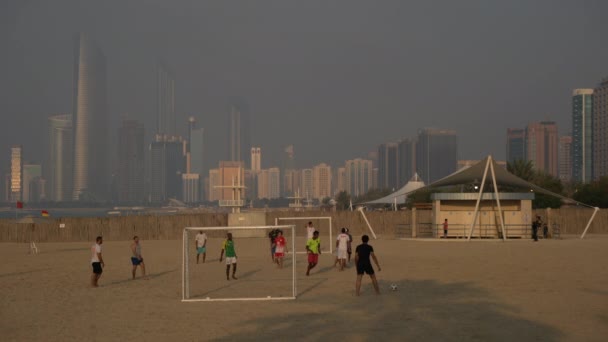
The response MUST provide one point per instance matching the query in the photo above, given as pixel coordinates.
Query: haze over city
(333, 79)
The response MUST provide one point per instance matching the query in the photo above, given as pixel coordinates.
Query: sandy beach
(553, 290)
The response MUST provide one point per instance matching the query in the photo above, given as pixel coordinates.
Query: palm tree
(523, 169)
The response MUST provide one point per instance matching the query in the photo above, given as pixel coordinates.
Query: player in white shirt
(96, 261)
(310, 230)
(342, 243)
(201, 245)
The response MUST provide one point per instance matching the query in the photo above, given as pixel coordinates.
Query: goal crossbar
(185, 264)
(331, 248)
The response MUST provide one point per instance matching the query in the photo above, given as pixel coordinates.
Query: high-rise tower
(516, 144)
(16, 184)
(565, 158)
(131, 162)
(600, 130)
(582, 135)
(436, 153)
(90, 121)
(542, 145)
(60, 159)
(256, 159)
(388, 166)
(239, 143)
(165, 100)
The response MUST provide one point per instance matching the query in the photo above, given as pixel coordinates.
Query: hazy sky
(335, 78)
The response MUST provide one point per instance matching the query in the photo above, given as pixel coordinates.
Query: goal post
(251, 233)
(331, 242)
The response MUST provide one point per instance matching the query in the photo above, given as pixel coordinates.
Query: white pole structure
(502, 222)
(185, 294)
(589, 223)
(366, 221)
(294, 291)
(483, 182)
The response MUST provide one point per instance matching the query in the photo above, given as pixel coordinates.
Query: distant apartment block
(239, 136)
(167, 164)
(582, 135)
(31, 173)
(516, 144)
(306, 190)
(191, 187)
(565, 158)
(232, 175)
(542, 145)
(407, 161)
(388, 166)
(291, 182)
(60, 158)
(600, 130)
(16, 185)
(256, 159)
(165, 100)
(214, 191)
(340, 180)
(269, 183)
(358, 174)
(322, 181)
(197, 155)
(131, 162)
(436, 153)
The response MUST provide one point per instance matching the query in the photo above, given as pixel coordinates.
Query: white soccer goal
(261, 278)
(324, 232)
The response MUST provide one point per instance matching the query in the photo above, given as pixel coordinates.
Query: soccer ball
(393, 287)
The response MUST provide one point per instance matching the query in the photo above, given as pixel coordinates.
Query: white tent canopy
(474, 174)
(400, 195)
(479, 173)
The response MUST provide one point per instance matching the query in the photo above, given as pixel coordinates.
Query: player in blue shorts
(201, 245)
(136, 258)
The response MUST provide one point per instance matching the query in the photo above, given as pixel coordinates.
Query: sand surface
(555, 290)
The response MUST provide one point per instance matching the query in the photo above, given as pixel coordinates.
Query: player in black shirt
(364, 264)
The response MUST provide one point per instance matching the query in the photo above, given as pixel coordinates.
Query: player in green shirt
(313, 247)
(228, 247)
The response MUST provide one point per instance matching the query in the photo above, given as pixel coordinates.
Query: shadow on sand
(149, 276)
(242, 277)
(420, 310)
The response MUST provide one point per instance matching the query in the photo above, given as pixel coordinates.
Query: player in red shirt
(280, 248)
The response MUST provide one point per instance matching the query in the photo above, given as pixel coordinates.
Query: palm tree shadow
(418, 310)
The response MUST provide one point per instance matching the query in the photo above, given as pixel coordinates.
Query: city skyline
(314, 86)
(98, 73)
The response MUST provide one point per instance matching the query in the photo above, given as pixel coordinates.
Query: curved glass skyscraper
(90, 121)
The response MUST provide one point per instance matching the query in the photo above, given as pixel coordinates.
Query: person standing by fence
(535, 225)
(445, 229)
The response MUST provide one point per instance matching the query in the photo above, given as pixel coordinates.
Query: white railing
(231, 203)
